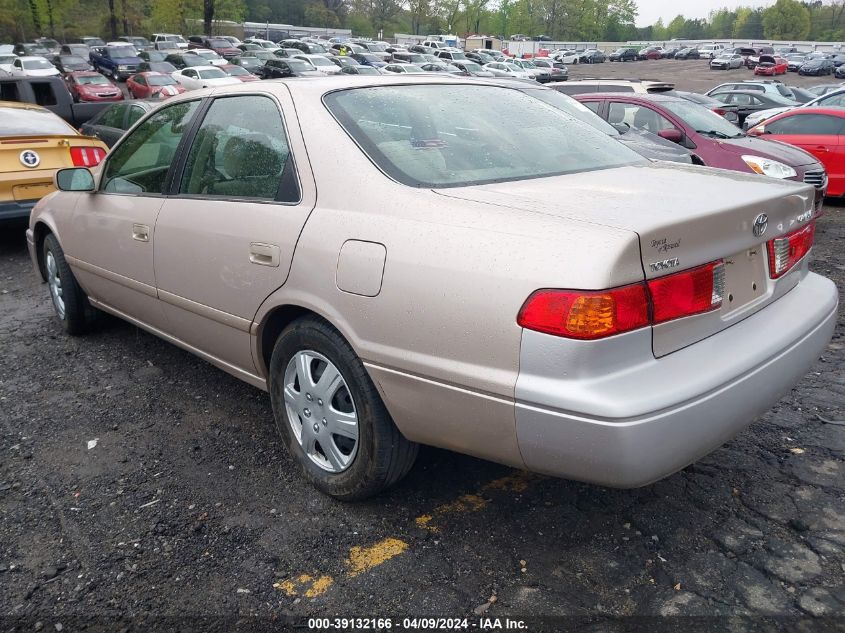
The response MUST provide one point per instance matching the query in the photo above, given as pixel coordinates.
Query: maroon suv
(712, 139)
(220, 46)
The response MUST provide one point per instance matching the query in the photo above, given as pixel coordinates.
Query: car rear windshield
(452, 136)
(220, 43)
(160, 80)
(236, 71)
(320, 61)
(32, 122)
(701, 119)
(92, 79)
(120, 52)
(211, 73)
(299, 65)
(36, 64)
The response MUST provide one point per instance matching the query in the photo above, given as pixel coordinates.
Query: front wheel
(331, 416)
(69, 300)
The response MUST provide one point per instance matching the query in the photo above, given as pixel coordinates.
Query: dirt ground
(142, 489)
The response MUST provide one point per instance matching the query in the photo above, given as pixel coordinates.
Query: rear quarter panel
(440, 339)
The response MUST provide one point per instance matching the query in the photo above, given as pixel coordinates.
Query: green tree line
(568, 20)
(784, 20)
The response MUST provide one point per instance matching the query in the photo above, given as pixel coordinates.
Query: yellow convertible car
(34, 143)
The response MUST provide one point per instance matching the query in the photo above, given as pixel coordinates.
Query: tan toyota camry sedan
(402, 261)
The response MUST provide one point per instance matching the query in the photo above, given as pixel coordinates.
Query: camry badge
(761, 223)
(29, 158)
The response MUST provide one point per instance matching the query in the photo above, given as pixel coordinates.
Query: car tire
(70, 302)
(381, 455)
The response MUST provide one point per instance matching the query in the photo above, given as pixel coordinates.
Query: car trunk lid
(684, 217)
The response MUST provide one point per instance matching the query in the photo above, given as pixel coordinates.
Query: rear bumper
(14, 210)
(631, 426)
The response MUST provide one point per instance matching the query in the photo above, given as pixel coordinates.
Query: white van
(709, 51)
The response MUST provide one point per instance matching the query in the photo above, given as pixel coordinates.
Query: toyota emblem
(30, 158)
(761, 223)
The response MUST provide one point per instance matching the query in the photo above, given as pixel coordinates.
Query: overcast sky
(650, 10)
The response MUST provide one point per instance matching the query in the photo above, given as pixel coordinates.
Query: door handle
(264, 254)
(141, 232)
(821, 148)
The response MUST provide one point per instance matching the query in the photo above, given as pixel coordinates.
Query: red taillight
(585, 314)
(720, 111)
(789, 249)
(86, 156)
(597, 314)
(686, 293)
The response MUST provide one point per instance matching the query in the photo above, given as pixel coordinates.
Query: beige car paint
(360, 267)
(109, 260)
(440, 338)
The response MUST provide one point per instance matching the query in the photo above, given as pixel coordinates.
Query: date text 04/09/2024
(415, 624)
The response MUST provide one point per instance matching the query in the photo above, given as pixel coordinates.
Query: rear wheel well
(277, 321)
(41, 231)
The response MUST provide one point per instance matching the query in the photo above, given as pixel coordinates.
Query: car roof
(209, 67)
(658, 97)
(317, 87)
(829, 110)
(20, 105)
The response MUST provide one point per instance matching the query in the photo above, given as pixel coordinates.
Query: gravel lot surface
(693, 75)
(140, 488)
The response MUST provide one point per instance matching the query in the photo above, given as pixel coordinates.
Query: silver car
(396, 272)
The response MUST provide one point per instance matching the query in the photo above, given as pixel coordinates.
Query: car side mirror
(74, 179)
(671, 135)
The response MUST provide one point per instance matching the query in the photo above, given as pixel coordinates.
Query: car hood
(768, 149)
(653, 147)
(97, 89)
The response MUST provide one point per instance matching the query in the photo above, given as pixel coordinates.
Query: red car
(239, 72)
(150, 84)
(652, 52)
(817, 131)
(713, 141)
(770, 65)
(86, 85)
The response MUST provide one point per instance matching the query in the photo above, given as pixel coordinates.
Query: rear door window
(241, 151)
(639, 117)
(807, 124)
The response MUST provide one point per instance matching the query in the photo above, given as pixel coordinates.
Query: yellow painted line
(424, 523)
(363, 559)
(515, 482)
(309, 586)
(518, 481)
